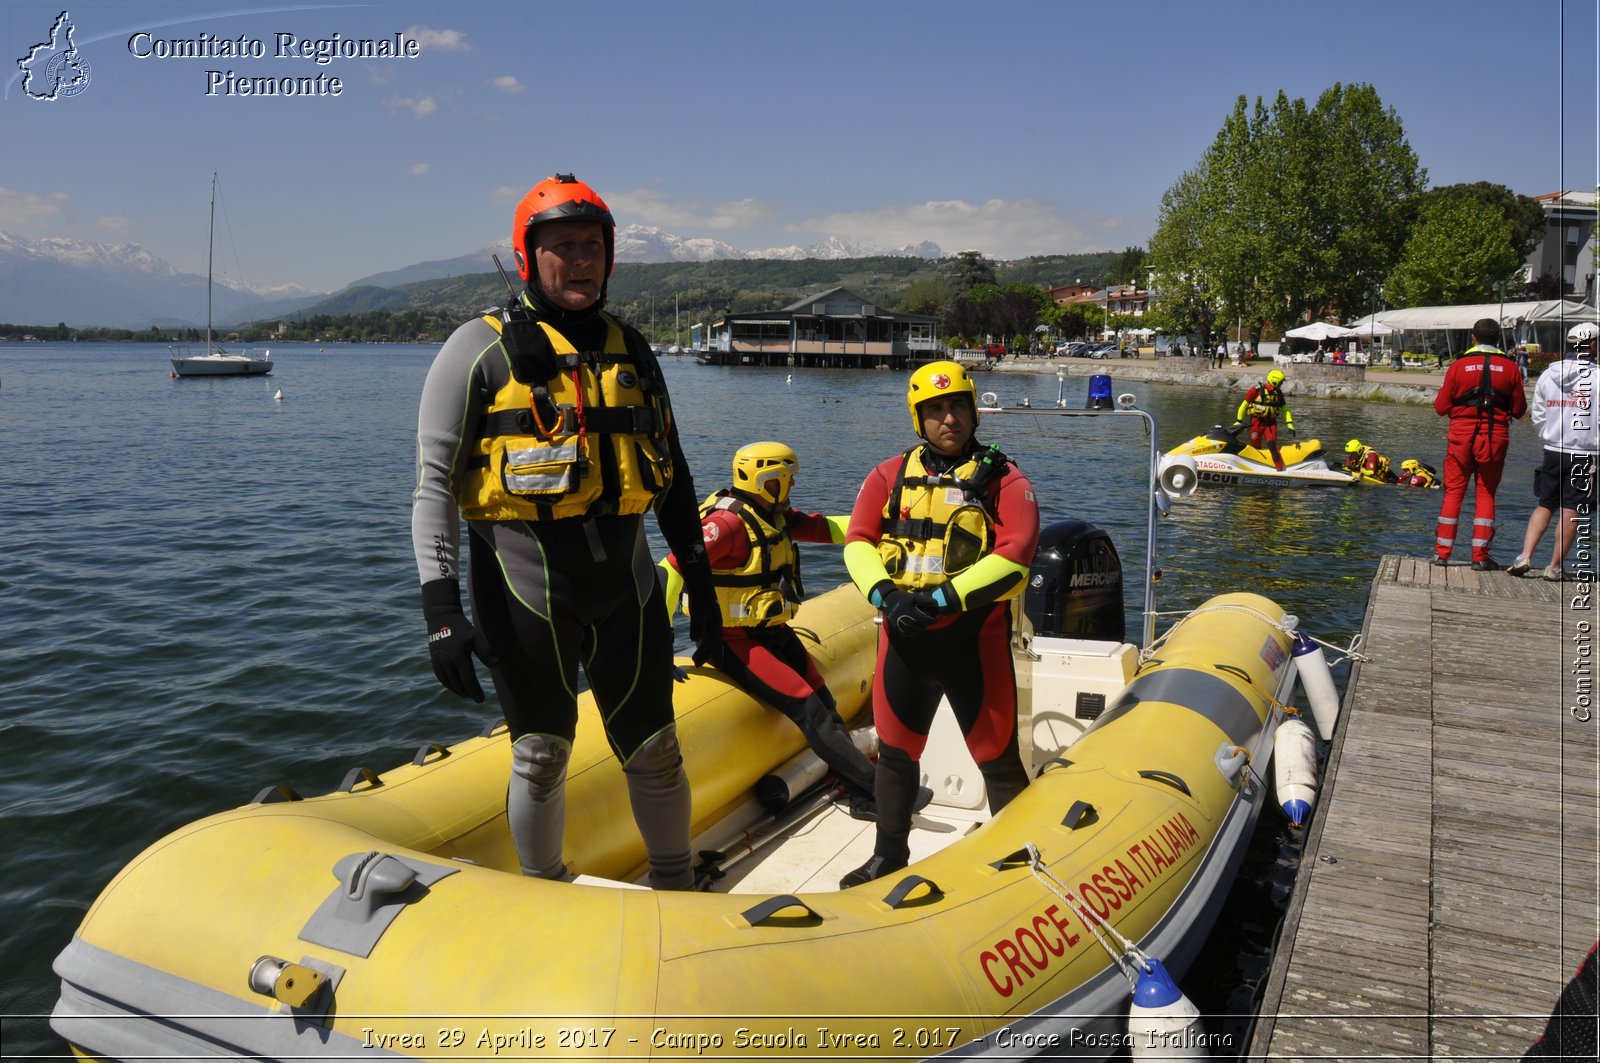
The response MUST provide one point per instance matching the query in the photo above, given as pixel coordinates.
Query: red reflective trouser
(1482, 454)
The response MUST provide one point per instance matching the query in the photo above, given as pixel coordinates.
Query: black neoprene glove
(452, 640)
(908, 614)
(705, 615)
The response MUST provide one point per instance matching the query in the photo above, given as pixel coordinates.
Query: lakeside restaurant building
(834, 329)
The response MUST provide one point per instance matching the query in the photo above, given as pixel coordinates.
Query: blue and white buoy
(1162, 1022)
(1317, 681)
(1294, 769)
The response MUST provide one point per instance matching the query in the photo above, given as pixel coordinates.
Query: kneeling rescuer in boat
(547, 426)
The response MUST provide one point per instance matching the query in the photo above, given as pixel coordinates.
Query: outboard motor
(1075, 584)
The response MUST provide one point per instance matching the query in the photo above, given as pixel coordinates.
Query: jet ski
(1220, 458)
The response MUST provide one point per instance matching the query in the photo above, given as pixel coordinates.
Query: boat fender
(1294, 769)
(1317, 681)
(1162, 1022)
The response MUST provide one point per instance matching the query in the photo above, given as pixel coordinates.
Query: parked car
(994, 350)
(1073, 349)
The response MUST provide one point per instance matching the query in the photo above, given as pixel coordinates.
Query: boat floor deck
(1448, 888)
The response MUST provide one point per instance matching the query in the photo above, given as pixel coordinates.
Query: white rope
(1131, 959)
(1342, 653)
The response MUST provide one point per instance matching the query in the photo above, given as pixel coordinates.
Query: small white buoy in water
(1317, 681)
(278, 395)
(789, 379)
(1294, 769)
(1162, 1022)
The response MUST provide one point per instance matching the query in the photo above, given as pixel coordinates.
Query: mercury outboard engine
(1075, 584)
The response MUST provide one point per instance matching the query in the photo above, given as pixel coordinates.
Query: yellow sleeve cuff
(866, 569)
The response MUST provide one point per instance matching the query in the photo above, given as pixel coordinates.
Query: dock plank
(1449, 880)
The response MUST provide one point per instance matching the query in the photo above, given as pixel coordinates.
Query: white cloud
(419, 169)
(23, 208)
(441, 40)
(509, 193)
(115, 223)
(508, 85)
(418, 108)
(1000, 228)
(646, 206)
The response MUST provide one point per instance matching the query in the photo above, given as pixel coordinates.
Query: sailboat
(216, 361)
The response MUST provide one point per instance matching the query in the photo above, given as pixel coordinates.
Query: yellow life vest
(934, 525)
(590, 440)
(764, 591)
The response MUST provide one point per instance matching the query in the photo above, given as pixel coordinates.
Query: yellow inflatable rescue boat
(388, 917)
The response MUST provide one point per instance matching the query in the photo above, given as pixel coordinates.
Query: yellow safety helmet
(1275, 377)
(1352, 447)
(766, 469)
(1410, 466)
(936, 379)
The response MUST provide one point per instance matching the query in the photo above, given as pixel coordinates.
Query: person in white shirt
(1564, 412)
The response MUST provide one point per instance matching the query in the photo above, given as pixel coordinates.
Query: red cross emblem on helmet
(941, 381)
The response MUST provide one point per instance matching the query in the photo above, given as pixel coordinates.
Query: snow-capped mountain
(116, 285)
(51, 279)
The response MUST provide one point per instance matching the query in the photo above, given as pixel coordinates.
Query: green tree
(1292, 211)
(1458, 251)
(1129, 267)
(1523, 213)
(929, 295)
(968, 269)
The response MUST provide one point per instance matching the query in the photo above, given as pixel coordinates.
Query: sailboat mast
(211, 244)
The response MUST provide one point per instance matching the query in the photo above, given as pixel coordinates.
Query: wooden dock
(1448, 888)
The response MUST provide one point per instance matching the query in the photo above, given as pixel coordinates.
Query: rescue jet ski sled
(389, 917)
(1220, 458)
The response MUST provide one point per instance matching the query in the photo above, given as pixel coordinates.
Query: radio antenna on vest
(509, 286)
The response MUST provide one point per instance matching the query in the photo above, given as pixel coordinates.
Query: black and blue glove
(452, 640)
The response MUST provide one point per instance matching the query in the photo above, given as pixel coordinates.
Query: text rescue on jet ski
(321, 50)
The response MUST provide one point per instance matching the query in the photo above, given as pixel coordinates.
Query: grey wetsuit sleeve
(452, 401)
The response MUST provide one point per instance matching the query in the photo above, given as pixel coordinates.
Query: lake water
(205, 591)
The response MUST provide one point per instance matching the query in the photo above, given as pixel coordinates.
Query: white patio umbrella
(1373, 328)
(1320, 330)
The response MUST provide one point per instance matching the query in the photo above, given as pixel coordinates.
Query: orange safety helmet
(560, 198)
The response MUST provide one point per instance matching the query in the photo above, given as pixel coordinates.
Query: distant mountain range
(124, 286)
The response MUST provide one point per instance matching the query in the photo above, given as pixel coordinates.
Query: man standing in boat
(750, 532)
(547, 426)
(1482, 395)
(1263, 404)
(940, 537)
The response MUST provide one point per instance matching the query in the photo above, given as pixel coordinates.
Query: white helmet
(1582, 334)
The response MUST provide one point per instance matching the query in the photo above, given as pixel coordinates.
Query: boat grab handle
(896, 897)
(283, 790)
(1051, 763)
(1020, 858)
(1233, 670)
(492, 729)
(1081, 814)
(355, 775)
(427, 749)
(1156, 775)
(773, 905)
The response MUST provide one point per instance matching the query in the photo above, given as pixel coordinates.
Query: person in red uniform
(1482, 395)
(1263, 404)
(749, 532)
(940, 537)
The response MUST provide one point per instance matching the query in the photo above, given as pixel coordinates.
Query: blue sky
(1016, 128)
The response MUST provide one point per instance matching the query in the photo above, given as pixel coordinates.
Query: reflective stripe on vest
(934, 525)
(764, 590)
(590, 440)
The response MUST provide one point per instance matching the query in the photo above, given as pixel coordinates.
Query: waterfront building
(836, 329)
